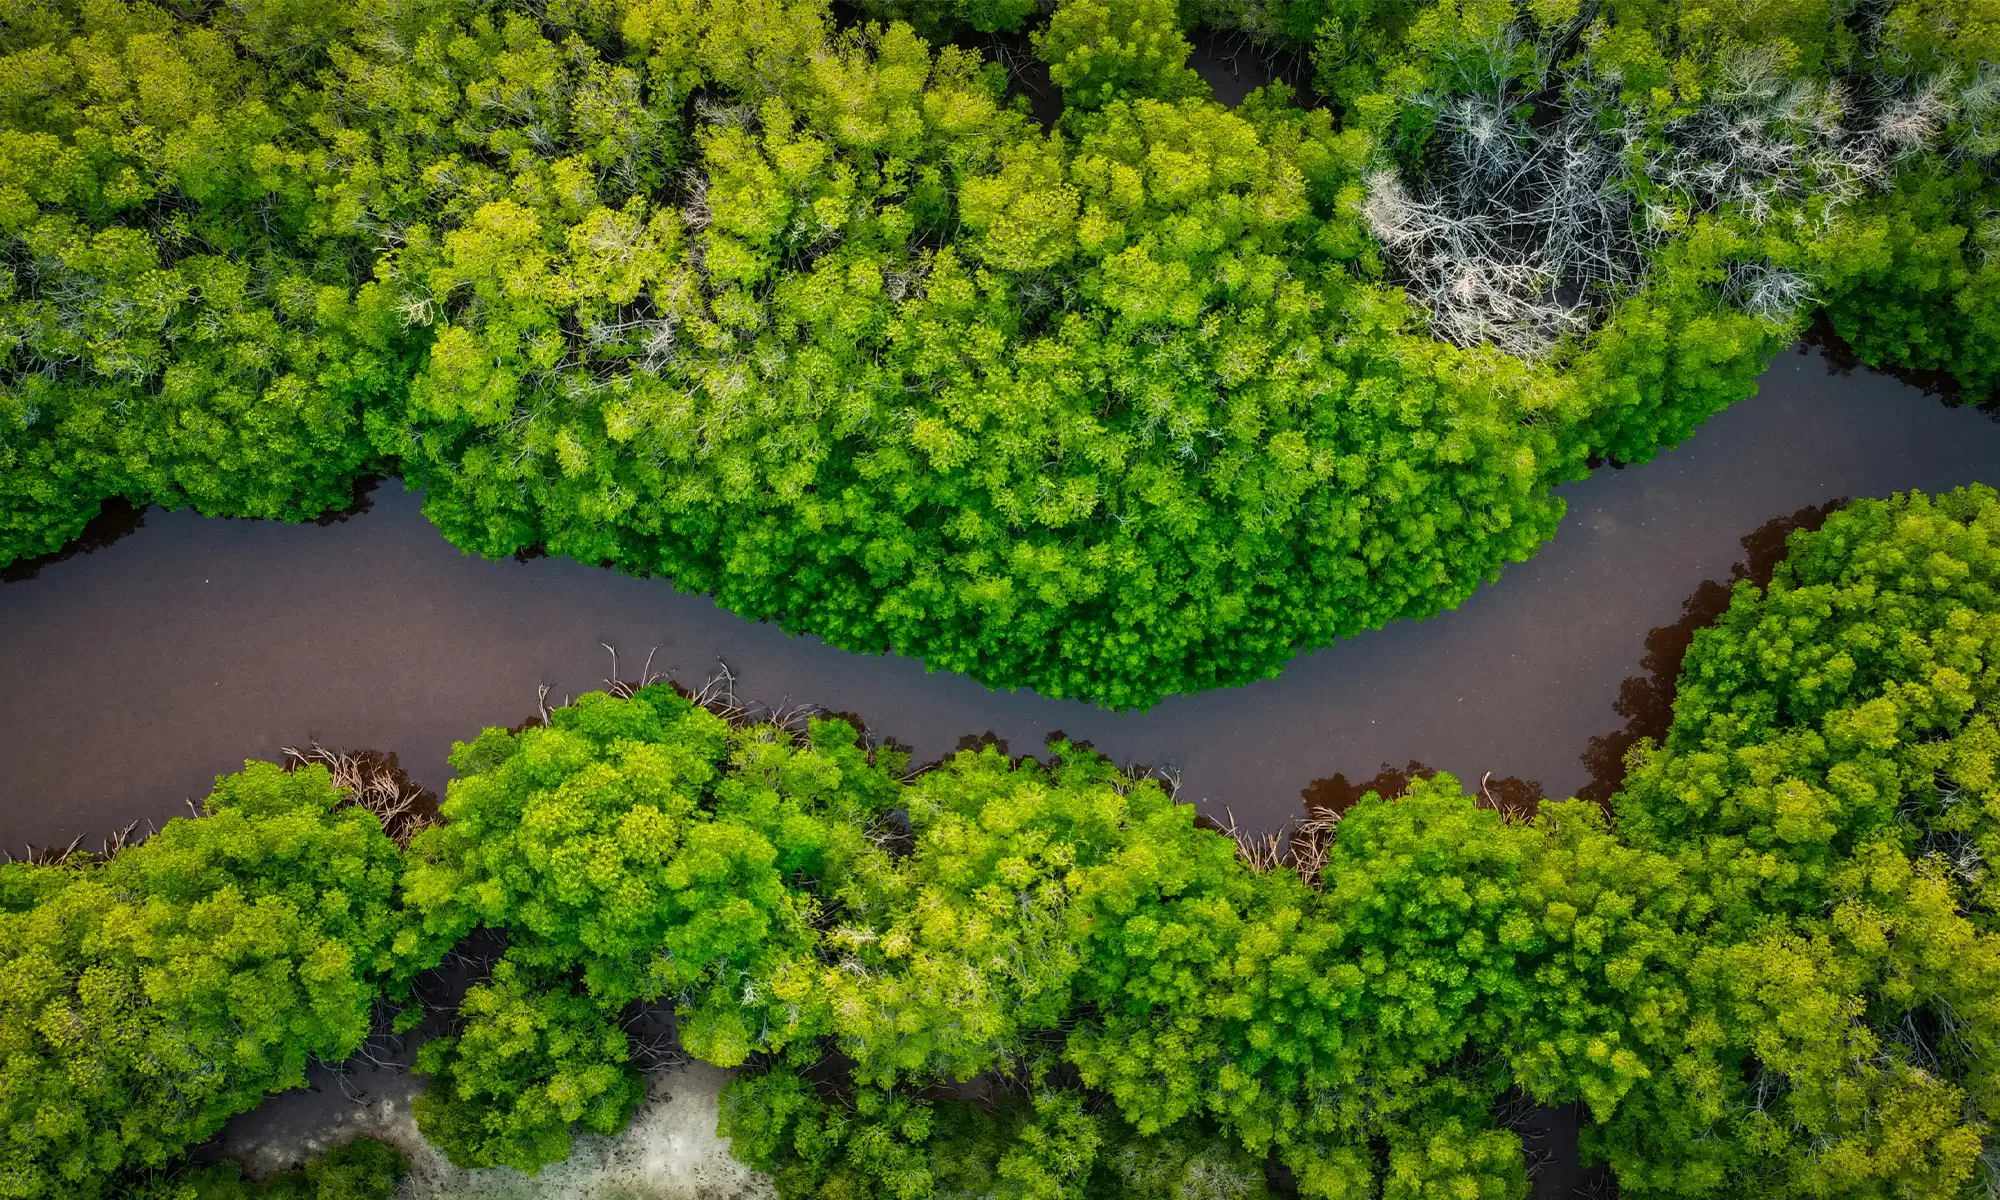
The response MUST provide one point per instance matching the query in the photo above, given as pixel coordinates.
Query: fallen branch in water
(50, 856)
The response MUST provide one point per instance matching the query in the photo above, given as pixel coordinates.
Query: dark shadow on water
(1336, 794)
(979, 741)
(116, 518)
(1647, 701)
(1509, 795)
(1842, 360)
(362, 500)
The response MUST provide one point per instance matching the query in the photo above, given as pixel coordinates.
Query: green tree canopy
(812, 317)
(1828, 786)
(149, 998)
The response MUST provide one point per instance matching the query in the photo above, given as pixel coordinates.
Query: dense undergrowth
(1773, 970)
(812, 316)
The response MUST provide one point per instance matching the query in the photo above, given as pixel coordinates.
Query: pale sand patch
(669, 1152)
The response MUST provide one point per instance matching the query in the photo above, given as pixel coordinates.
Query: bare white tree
(1520, 232)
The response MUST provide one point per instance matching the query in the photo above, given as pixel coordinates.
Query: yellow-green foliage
(145, 1000)
(1829, 789)
(1777, 975)
(814, 319)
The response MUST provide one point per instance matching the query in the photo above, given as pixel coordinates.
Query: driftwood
(374, 781)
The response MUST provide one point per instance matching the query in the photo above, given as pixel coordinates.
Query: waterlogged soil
(139, 670)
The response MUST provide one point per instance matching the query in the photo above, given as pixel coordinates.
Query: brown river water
(137, 672)
(167, 647)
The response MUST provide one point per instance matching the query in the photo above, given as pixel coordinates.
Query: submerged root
(1259, 850)
(1312, 843)
(1305, 845)
(1301, 845)
(717, 694)
(75, 855)
(623, 689)
(377, 782)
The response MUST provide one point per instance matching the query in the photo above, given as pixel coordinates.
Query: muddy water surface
(135, 673)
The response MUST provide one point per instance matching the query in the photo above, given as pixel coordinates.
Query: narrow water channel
(137, 672)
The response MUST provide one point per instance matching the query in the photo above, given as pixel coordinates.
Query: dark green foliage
(894, 1145)
(1440, 944)
(363, 1169)
(1048, 1145)
(1099, 51)
(941, 20)
(174, 331)
(1779, 980)
(529, 1062)
(149, 998)
(1777, 976)
(1042, 919)
(1912, 280)
(633, 850)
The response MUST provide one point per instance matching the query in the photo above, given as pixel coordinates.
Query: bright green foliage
(1037, 914)
(1605, 991)
(939, 966)
(363, 1169)
(613, 853)
(170, 333)
(1440, 955)
(608, 845)
(1828, 785)
(587, 842)
(1104, 50)
(891, 1145)
(1047, 1147)
(1100, 432)
(1036, 899)
(1460, 1156)
(1912, 280)
(810, 318)
(149, 998)
(529, 1062)
(1191, 1162)
(1778, 975)
(938, 20)
(1317, 1020)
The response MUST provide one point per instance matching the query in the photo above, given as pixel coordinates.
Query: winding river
(137, 672)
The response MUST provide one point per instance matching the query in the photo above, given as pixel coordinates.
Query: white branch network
(1523, 231)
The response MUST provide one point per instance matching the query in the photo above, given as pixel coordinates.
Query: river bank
(141, 670)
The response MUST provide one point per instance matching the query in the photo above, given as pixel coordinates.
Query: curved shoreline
(140, 671)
